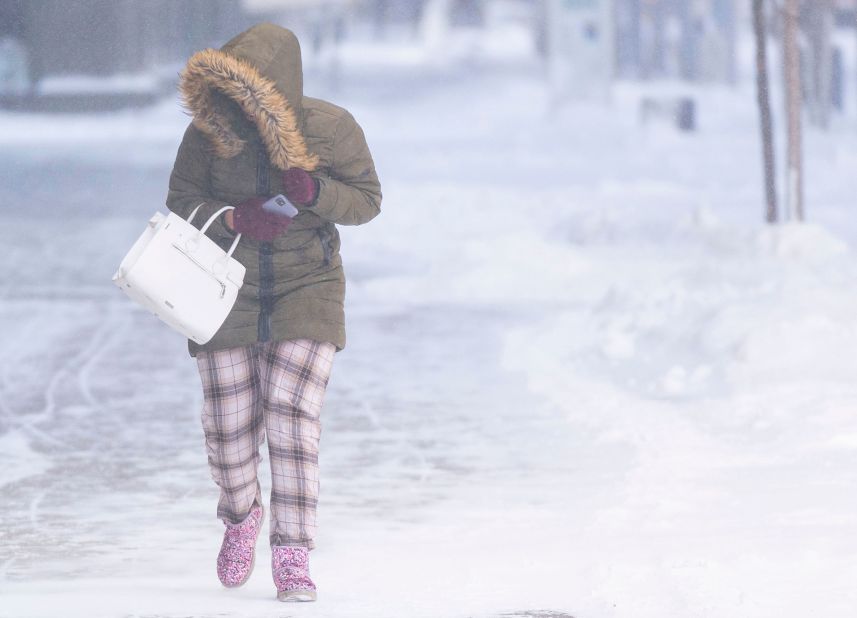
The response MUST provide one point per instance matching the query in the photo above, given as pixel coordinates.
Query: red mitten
(249, 218)
(299, 186)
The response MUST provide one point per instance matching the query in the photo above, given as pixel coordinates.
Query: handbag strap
(193, 213)
(234, 244)
(213, 217)
(210, 221)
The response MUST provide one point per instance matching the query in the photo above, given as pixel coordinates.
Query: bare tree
(765, 120)
(791, 68)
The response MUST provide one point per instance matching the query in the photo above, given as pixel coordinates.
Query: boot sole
(296, 595)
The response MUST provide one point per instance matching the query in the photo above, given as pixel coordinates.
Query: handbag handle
(210, 221)
(193, 213)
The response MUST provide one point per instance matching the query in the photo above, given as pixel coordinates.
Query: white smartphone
(280, 205)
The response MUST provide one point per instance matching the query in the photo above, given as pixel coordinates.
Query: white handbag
(182, 276)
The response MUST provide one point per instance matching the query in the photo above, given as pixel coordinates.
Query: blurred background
(601, 337)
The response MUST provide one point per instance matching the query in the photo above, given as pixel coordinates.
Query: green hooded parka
(250, 122)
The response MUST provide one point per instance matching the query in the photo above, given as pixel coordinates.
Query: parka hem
(318, 330)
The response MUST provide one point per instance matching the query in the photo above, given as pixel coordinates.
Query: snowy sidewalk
(430, 480)
(580, 378)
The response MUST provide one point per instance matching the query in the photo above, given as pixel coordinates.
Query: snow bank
(686, 441)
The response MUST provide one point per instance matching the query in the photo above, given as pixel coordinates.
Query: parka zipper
(266, 258)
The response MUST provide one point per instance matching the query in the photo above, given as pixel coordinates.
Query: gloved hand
(248, 218)
(299, 186)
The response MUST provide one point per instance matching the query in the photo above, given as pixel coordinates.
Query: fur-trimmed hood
(260, 70)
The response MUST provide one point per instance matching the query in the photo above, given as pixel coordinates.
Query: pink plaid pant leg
(234, 427)
(294, 384)
(276, 389)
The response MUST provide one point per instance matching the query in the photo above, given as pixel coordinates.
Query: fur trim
(212, 69)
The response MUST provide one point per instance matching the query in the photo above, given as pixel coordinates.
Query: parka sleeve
(351, 193)
(189, 185)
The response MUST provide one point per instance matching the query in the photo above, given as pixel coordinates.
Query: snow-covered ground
(581, 379)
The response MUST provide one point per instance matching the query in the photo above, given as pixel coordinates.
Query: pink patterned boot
(290, 567)
(238, 552)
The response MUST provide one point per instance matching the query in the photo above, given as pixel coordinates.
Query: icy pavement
(581, 379)
(438, 467)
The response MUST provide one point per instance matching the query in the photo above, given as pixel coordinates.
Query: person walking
(264, 374)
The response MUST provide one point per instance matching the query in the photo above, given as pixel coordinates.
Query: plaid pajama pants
(274, 389)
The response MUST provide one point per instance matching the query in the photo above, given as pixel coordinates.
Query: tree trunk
(765, 121)
(791, 68)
